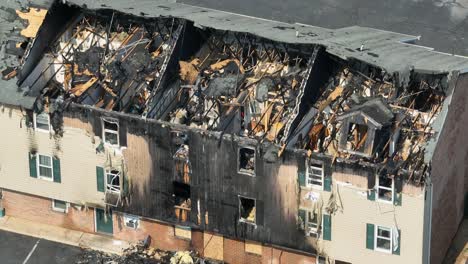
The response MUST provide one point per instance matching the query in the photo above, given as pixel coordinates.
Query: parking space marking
(31, 252)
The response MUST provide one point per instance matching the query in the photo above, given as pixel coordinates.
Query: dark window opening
(247, 210)
(356, 137)
(247, 160)
(385, 189)
(182, 203)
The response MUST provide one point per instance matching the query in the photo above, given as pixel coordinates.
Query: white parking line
(31, 252)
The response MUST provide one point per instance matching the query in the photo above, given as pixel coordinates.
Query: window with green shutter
(327, 227)
(100, 178)
(327, 185)
(32, 165)
(370, 236)
(302, 219)
(56, 167)
(301, 176)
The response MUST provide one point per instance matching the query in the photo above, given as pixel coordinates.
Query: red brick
(39, 209)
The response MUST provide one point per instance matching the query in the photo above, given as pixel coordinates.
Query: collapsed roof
(257, 84)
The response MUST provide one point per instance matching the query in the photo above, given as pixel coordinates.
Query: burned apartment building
(244, 139)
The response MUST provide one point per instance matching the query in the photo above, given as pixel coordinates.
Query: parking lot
(16, 248)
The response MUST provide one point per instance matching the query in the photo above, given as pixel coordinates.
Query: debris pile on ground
(139, 254)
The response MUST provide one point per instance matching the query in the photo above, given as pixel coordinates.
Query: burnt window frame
(119, 175)
(104, 131)
(244, 171)
(315, 163)
(244, 220)
(369, 142)
(391, 188)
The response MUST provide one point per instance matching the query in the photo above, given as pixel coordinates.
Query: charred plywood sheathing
(370, 119)
(108, 60)
(240, 84)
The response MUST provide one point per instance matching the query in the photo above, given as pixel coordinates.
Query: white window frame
(104, 131)
(112, 188)
(35, 122)
(60, 210)
(242, 220)
(312, 232)
(128, 218)
(376, 232)
(378, 187)
(309, 173)
(38, 165)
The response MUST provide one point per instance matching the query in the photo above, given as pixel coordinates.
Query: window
(44, 163)
(385, 189)
(42, 122)
(356, 137)
(246, 161)
(131, 221)
(383, 239)
(59, 206)
(110, 132)
(320, 260)
(247, 210)
(312, 224)
(113, 181)
(315, 176)
(182, 202)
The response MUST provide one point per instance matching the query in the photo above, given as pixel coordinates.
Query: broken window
(356, 137)
(383, 239)
(110, 132)
(246, 160)
(385, 189)
(113, 181)
(59, 206)
(44, 164)
(247, 210)
(312, 224)
(42, 122)
(315, 175)
(131, 221)
(182, 202)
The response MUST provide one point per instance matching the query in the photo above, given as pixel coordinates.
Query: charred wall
(215, 183)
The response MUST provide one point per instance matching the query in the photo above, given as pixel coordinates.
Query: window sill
(247, 222)
(46, 178)
(384, 201)
(246, 172)
(383, 250)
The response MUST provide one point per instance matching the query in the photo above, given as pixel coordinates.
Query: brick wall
(234, 253)
(39, 209)
(162, 235)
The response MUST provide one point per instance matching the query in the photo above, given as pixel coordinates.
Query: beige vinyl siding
(348, 230)
(78, 160)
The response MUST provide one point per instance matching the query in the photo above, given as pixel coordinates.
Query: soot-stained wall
(215, 183)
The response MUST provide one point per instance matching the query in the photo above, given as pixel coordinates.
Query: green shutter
(302, 219)
(370, 236)
(301, 176)
(100, 178)
(327, 184)
(125, 184)
(56, 168)
(397, 251)
(32, 165)
(397, 198)
(326, 227)
(371, 195)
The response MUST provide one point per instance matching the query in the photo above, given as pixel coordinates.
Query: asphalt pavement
(20, 249)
